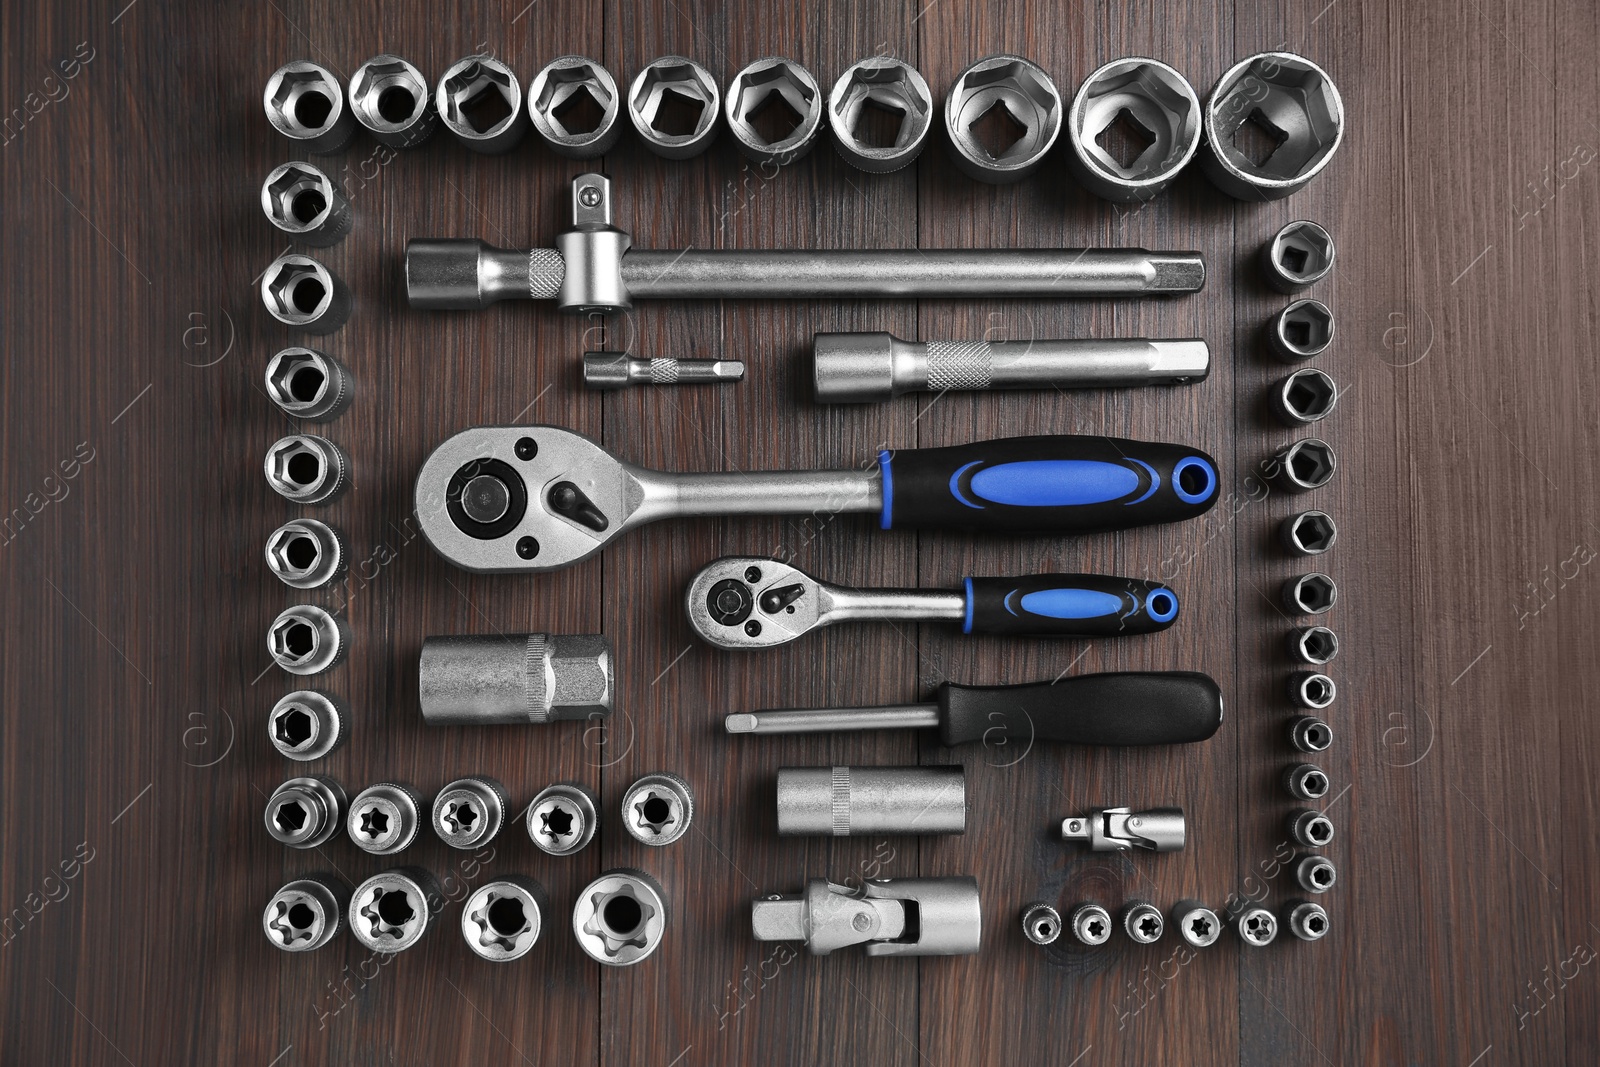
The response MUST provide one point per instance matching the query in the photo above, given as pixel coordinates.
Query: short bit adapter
(1123, 829)
(888, 916)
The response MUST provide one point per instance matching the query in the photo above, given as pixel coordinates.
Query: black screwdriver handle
(1128, 708)
(1063, 483)
(1068, 605)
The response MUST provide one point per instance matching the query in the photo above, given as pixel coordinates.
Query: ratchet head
(523, 498)
(751, 602)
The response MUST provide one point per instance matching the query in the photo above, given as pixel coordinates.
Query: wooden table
(1465, 205)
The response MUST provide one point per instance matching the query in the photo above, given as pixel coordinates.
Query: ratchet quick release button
(485, 499)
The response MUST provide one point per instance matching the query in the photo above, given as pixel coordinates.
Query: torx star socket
(563, 818)
(384, 818)
(515, 678)
(469, 811)
(306, 913)
(390, 911)
(502, 920)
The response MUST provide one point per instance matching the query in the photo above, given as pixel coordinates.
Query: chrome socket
(1304, 397)
(892, 89)
(1091, 924)
(307, 469)
(657, 809)
(306, 913)
(1041, 923)
(302, 202)
(1029, 111)
(305, 812)
(1143, 922)
(1308, 921)
(1310, 734)
(1297, 257)
(516, 678)
(1151, 103)
(1301, 331)
(620, 917)
(384, 818)
(300, 292)
(309, 385)
(1315, 874)
(306, 725)
(659, 104)
(1314, 645)
(1312, 690)
(1256, 926)
(1197, 924)
(305, 103)
(469, 811)
(391, 99)
(1292, 105)
(1309, 829)
(781, 86)
(306, 554)
(562, 819)
(560, 99)
(502, 920)
(1305, 465)
(480, 101)
(306, 639)
(1310, 533)
(1310, 594)
(390, 911)
(841, 801)
(1305, 781)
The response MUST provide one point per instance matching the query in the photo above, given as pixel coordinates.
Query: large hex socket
(1298, 119)
(674, 103)
(1021, 96)
(893, 89)
(298, 291)
(574, 105)
(480, 101)
(309, 385)
(780, 88)
(305, 103)
(518, 678)
(1155, 107)
(841, 801)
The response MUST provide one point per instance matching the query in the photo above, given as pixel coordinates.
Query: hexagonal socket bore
(1273, 121)
(298, 291)
(574, 104)
(1256, 926)
(390, 98)
(305, 812)
(390, 911)
(306, 725)
(1310, 734)
(1041, 923)
(562, 819)
(1314, 645)
(1305, 781)
(1298, 256)
(1311, 690)
(1197, 924)
(1310, 829)
(1305, 465)
(1308, 921)
(307, 469)
(879, 87)
(480, 101)
(469, 811)
(1309, 533)
(306, 914)
(306, 554)
(1143, 922)
(305, 103)
(305, 639)
(1310, 594)
(658, 808)
(674, 104)
(1132, 127)
(1306, 396)
(1301, 331)
(1091, 924)
(503, 919)
(301, 201)
(309, 385)
(774, 109)
(1002, 116)
(384, 818)
(620, 917)
(1315, 874)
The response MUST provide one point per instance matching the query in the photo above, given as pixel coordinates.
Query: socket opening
(1314, 784)
(774, 106)
(1317, 925)
(481, 98)
(675, 100)
(300, 289)
(507, 917)
(1149, 927)
(1321, 875)
(1319, 831)
(460, 817)
(1302, 253)
(394, 907)
(1304, 328)
(388, 94)
(1312, 532)
(1136, 123)
(1316, 691)
(880, 111)
(1260, 927)
(303, 100)
(1308, 395)
(294, 727)
(1275, 119)
(290, 816)
(297, 197)
(1318, 644)
(1314, 594)
(622, 914)
(1003, 110)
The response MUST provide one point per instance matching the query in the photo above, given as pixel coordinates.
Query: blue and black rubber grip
(1068, 605)
(1129, 708)
(1063, 483)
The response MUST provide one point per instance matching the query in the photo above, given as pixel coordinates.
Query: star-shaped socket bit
(1200, 926)
(656, 812)
(295, 919)
(460, 817)
(613, 912)
(500, 920)
(388, 914)
(558, 823)
(375, 823)
(1150, 927)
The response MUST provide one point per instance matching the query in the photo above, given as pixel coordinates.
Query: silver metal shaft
(618, 370)
(674, 495)
(826, 720)
(846, 605)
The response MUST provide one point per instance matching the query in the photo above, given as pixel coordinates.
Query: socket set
(533, 498)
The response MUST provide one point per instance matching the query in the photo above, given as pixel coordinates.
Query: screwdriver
(1118, 708)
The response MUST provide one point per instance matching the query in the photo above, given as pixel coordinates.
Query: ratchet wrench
(749, 602)
(536, 498)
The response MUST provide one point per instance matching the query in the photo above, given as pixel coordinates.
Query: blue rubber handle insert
(1062, 484)
(1068, 605)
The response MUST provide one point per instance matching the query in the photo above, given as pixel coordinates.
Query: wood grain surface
(1465, 204)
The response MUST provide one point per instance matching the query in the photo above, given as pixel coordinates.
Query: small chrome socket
(1305, 781)
(301, 201)
(1091, 924)
(1315, 874)
(1308, 395)
(306, 639)
(1301, 331)
(390, 911)
(306, 725)
(1310, 734)
(1312, 690)
(1256, 926)
(306, 554)
(620, 917)
(1309, 829)
(1029, 112)
(307, 469)
(469, 811)
(1304, 465)
(300, 292)
(1297, 257)
(480, 101)
(657, 809)
(1310, 533)
(305, 103)
(392, 100)
(309, 385)
(1123, 105)
(1197, 924)
(1143, 922)
(574, 105)
(562, 819)
(880, 87)
(305, 812)
(1314, 645)
(384, 818)
(306, 913)
(1310, 594)
(675, 105)
(1308, 921)
(502, 920)
(1041, 923)
(782, 90)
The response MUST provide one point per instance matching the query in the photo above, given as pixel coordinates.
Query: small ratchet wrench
(748, 602)
(536, 498)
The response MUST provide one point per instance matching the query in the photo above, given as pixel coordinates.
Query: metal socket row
(1197, 925)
